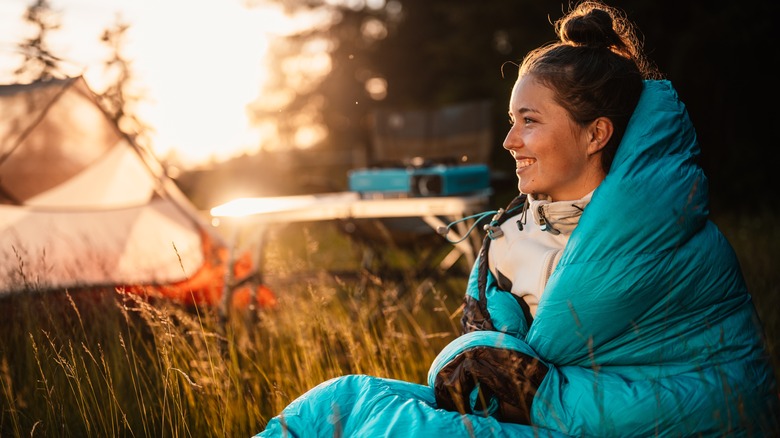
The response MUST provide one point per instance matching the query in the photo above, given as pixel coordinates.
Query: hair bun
(591, 28)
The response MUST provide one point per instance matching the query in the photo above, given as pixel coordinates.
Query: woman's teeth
(524, 162)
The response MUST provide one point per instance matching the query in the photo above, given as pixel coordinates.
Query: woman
(569, 109)
(604, 302)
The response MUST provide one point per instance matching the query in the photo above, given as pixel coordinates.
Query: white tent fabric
(80, 203)
(57, 249)
(103, 185)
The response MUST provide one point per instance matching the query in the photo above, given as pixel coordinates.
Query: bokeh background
(275, 97)
(279, 97)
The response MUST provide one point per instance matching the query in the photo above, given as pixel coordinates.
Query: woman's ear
(599, 133)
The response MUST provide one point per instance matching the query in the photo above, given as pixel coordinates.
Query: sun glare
(198, 64)
(206, 67)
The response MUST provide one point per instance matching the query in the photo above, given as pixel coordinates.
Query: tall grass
(99, 363)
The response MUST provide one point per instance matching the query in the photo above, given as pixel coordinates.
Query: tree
(39, 62)
(318, 77)
(401, 54)
(120, 97)
(430, 53)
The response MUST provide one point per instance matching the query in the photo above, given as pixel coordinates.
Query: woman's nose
(512, 140)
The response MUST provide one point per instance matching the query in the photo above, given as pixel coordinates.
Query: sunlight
(205, 68)
(199, 65)
(248, 206)
(310, 206)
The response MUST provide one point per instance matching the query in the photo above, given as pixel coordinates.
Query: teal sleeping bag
(646, 325)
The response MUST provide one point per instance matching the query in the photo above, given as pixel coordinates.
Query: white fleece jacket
(523, 259)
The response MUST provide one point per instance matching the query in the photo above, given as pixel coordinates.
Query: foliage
(439, 52)
(104, 363)
(120, 98)
(39, 62)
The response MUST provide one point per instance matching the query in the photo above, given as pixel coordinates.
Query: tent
(83, 205)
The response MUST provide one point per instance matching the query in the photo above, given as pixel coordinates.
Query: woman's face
(551, 151)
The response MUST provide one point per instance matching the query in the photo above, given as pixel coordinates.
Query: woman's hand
(492, 381)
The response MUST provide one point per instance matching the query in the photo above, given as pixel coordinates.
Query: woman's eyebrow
(524, 110)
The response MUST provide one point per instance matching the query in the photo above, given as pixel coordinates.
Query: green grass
(98, 363)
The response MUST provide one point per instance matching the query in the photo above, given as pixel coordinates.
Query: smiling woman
(197, 64)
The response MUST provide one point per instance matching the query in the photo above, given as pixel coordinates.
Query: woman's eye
(527, 120)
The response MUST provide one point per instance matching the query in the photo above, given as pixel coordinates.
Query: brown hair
(596, 68)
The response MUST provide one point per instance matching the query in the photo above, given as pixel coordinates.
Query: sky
(198, 62)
